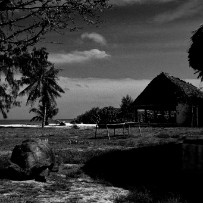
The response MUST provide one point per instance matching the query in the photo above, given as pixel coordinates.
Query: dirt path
(59, 188)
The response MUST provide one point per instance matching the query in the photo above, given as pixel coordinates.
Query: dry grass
(62, 138)
(77, 146)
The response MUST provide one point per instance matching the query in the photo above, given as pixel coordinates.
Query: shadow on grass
(157, 168)
(11, 171)
(6, 172)
(10, 174)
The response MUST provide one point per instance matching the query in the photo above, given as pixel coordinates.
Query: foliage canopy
(109, 114)
(195, 52)
(51, 112)
(23, 23)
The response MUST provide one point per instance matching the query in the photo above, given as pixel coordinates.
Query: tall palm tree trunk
(44, 115)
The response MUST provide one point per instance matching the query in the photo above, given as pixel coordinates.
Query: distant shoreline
(67, 125)
(28, 122)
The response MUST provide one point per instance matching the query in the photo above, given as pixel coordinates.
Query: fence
(114, 126)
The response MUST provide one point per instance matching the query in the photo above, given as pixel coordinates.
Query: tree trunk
(44, 115)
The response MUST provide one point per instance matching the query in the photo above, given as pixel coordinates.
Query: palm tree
(51, 112)
(41, 81)
(195, 52)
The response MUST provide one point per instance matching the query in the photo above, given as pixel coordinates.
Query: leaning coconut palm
(195, 52)
(41, 80)
(51, 112)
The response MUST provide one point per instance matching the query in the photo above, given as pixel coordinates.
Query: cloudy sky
(138, 40)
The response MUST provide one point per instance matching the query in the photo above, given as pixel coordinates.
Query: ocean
(26, 121)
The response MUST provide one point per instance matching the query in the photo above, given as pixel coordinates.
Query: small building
(169, 100)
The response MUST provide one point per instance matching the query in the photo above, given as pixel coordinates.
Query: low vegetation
(75, 148)
(109, 114)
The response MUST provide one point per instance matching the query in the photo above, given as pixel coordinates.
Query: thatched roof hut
(166, 94)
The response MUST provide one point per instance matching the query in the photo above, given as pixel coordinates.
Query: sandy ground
(62, 189)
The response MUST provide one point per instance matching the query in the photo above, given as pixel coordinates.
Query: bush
(96, 115)
(75, 126)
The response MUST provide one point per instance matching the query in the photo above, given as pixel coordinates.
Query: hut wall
(200, 115)
(183, 114)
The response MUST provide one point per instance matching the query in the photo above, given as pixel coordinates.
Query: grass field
(78, 180)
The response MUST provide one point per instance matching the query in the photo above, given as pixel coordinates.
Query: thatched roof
(186, 88)
(166, 90)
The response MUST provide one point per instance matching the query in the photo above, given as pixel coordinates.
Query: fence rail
(126, 125)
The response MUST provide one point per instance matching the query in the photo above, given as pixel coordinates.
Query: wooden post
(192, 121)
(95, 132)
(197, 114)
(128, 129)
(107, 132)
(140, 130)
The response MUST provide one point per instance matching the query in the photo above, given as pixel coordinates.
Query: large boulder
(33, 159)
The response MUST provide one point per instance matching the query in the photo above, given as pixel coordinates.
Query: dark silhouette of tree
(50, 113)
(5, 101)
(96, 115)
(109, 115)
(195, 52)
(91, 116)
(40, 76)
(8, 97)
(24, 23)
(126, 108)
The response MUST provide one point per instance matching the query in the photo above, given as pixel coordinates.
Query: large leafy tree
(195, 52)
(40, 76)
(51, 112)
(24, 22)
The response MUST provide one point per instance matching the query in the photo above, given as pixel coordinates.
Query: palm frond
(36, 118)
(41, 81)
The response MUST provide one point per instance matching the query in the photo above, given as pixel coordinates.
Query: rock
(33, 159)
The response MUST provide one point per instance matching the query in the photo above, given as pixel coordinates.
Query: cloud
(188, 8)
(101, 92)
(94, 37)
(77, 56)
